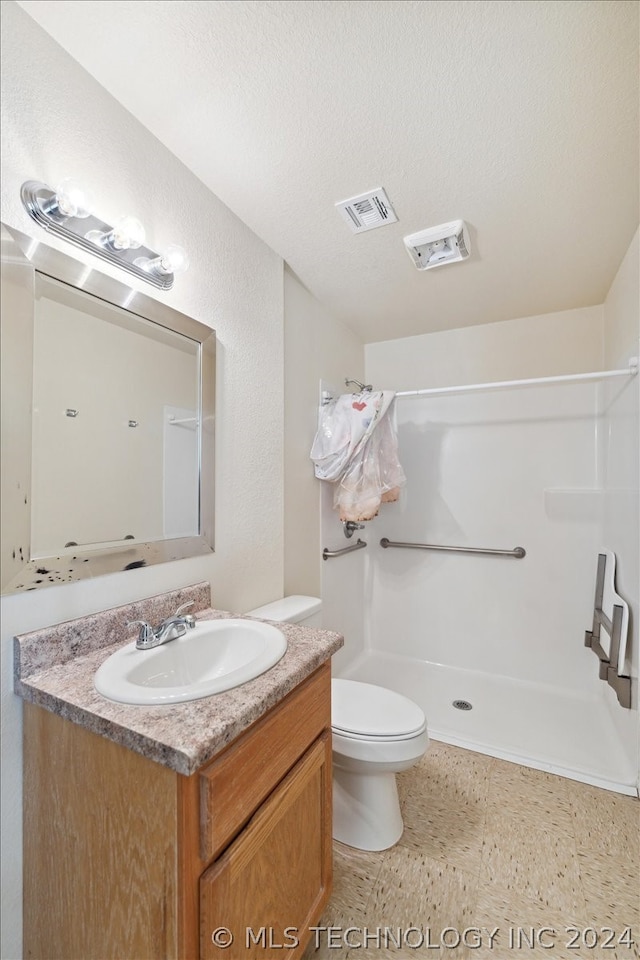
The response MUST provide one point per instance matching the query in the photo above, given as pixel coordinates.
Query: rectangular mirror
(107, 423)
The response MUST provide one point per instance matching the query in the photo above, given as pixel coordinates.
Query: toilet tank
(295, 609)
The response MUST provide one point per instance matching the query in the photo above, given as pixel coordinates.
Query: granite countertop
(54, 668)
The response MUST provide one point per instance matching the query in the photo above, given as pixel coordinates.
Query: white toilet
(376, 733)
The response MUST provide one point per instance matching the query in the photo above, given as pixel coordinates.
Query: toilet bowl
(376, 733)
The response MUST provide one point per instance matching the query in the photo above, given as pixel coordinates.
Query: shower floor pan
(533, 724)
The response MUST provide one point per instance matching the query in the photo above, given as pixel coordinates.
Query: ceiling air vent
(368, 211)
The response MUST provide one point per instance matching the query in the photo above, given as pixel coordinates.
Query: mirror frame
(26, 256)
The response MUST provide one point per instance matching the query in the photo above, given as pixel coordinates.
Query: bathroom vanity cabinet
(124, 858)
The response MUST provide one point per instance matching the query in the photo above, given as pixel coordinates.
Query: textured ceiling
(519, 117)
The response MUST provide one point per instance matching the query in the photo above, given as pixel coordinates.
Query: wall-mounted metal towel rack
(358, 545)
(517, 553)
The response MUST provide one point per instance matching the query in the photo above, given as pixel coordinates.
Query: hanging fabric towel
(356, 448)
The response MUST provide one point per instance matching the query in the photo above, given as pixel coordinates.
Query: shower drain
(462, 705)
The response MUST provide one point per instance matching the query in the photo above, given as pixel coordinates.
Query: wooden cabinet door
(273, 882)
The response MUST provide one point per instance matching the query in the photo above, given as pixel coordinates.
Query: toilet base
(366, 809)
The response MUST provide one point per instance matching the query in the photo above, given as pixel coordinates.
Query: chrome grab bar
(517, 553)
(358, 545)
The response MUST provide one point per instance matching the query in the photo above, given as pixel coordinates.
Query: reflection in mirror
(107, 424)
(115, 425)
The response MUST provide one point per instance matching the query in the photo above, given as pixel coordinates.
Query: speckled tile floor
(496, 860)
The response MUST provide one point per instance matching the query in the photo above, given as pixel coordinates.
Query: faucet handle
(146, 631)
(188, 619)
(184, 606)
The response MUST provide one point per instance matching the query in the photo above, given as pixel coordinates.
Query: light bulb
(440, 250)
(128, 234)
(70, 200)
(173, 260)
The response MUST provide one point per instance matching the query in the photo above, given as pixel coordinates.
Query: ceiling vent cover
(368, 211)
(436, 246)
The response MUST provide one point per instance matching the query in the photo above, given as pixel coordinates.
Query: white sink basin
(215, 655)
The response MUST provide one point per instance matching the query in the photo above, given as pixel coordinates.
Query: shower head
(362, 386)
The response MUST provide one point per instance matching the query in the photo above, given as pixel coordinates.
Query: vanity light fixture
(67, 213)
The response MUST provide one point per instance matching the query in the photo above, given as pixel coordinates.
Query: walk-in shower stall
(492, 645)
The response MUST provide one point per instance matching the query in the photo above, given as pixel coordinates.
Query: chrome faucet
(170, 629)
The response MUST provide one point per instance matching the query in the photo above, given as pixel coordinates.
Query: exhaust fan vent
(436, 246)
(368, 211)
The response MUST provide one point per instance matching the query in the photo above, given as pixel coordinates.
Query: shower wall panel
(498, 469)
(343, 578)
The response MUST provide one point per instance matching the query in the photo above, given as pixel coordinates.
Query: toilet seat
(367, 737)
(367, 712)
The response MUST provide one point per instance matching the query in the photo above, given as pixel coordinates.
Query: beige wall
(316, 347)
(552, 344)
(58, 122)
(622, 310)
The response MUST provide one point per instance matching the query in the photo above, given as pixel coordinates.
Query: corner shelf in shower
(573, 503)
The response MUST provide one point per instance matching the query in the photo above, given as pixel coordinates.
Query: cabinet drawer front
(234, 785)
(272, 883)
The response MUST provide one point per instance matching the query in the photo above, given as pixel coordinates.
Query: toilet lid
(366, 710)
